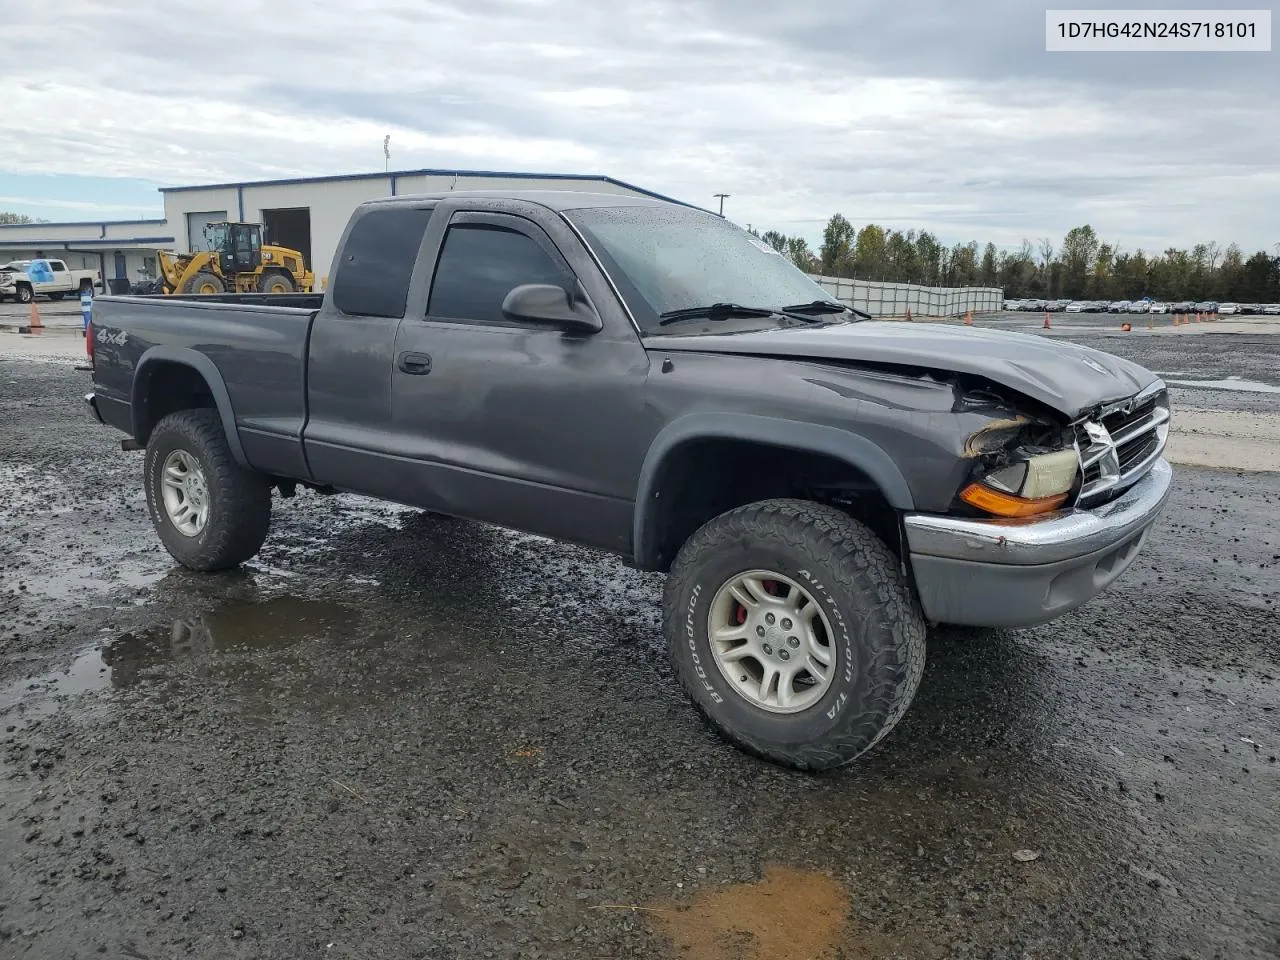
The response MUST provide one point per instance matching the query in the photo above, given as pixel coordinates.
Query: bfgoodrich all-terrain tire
(210, 512)
(792, 629)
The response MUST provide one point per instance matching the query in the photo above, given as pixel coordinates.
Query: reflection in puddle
(275, 623)
(245, 626)
(789, 915)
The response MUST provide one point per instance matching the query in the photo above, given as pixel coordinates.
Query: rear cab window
(377, 261)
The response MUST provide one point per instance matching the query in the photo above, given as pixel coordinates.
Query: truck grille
(1120, 444)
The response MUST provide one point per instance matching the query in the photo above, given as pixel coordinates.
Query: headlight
(1036, 485)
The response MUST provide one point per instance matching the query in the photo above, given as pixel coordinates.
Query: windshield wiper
(824, 306)
(714, 311)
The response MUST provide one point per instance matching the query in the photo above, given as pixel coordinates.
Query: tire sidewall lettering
(841, 626)
(691, 637)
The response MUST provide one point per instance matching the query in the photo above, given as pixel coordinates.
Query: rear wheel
(794, 632)
(210, 512)
(275, 281)
(205, 282)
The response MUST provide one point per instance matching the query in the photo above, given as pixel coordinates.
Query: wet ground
(397, 735)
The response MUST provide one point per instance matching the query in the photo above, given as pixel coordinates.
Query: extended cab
(24, 280)
(651, 380)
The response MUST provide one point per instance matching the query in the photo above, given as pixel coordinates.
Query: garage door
(196, 222)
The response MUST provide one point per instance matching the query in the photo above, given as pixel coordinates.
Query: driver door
(512, 422)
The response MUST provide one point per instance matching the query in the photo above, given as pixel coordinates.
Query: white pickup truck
(24, 279)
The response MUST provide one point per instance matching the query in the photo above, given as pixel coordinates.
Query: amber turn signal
(1006, 504)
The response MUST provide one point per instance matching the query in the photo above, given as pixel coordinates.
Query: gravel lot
(397, 735)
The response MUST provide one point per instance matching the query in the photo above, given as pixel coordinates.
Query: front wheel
(275, 281)
(205, 283)
(210, 512)
(792, 629)
(25, 293)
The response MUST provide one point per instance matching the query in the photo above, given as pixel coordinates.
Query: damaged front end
(1032, 464)
(1024, 464)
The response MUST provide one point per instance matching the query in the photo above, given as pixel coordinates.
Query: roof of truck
(554, 199)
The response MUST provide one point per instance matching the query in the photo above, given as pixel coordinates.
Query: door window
(480, 264)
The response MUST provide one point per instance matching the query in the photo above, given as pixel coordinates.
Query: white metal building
(307, 214)
(118, 248)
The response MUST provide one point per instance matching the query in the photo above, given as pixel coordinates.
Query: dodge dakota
(649, 379)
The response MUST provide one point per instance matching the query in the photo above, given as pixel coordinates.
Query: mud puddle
(128, 659)
(789, 914)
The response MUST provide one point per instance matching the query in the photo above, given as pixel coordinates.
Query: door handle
(415, 363)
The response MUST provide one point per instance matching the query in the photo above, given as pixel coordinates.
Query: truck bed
(252, 347)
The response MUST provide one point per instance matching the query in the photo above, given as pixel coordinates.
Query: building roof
(75, 223)
(428, 172)
(552, 199)
(23, 243)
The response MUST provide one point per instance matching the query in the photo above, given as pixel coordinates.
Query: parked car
(1075, 306)
(1159, 307)
(1182, 306)
(1228, 309)
(1118, 306)
(1012, 305)
(1206, 306)
(1249, 308)
(1139, 306)
(1271, 309)
(1033, 305)
(639, 377)
(52, 278)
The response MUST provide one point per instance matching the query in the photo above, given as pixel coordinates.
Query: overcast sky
(940, 114)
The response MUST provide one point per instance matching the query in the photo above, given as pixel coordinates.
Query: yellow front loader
(236, 262)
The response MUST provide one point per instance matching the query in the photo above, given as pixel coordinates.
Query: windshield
(666, 258)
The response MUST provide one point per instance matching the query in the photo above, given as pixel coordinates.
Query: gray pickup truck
(650, 380)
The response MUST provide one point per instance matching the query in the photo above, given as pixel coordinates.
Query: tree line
(1082, 267)
(7, 217)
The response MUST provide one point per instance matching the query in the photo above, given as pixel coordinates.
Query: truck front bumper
(999, 573)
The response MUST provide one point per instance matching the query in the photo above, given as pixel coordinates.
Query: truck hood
(1069, 378)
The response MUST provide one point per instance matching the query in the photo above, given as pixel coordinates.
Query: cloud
(941, 115)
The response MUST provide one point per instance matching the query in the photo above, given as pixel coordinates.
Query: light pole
(722, 198)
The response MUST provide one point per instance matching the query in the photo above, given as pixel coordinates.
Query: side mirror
(551, 304)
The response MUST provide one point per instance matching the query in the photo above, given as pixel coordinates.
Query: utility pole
(386, 151)
(722, 198)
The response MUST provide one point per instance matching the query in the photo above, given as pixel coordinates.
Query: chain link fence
(882, 299)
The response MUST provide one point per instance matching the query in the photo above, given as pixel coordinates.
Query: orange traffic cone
(1126, 327)
(1046, 320)
(35, 325)
(908, 313)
